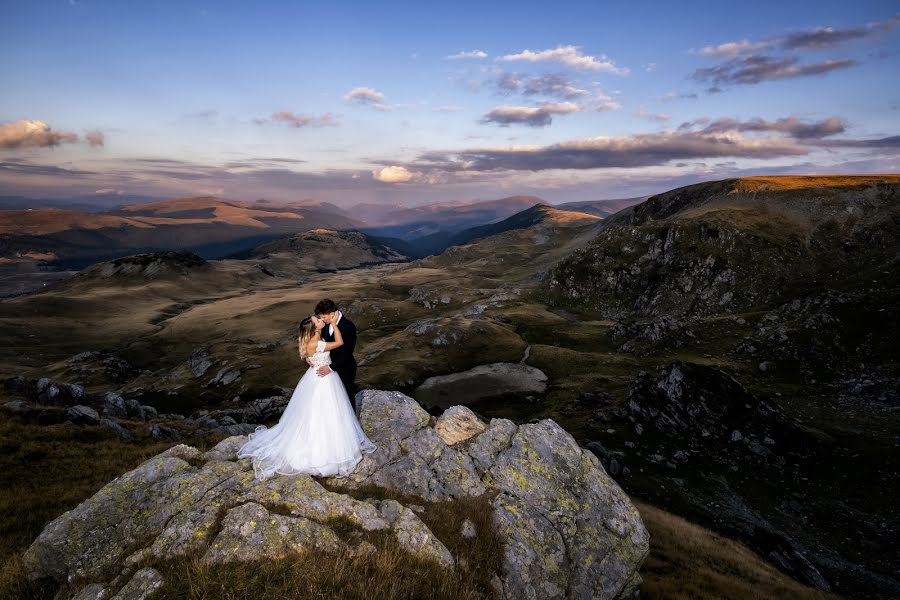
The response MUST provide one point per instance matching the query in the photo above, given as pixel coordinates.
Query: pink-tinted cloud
(26, 133)
(295, 120)
(531, 116)
(95, 138)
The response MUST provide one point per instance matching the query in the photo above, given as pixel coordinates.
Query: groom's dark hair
(325, 306)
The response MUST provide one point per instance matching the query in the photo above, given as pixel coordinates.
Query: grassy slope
(231, 318)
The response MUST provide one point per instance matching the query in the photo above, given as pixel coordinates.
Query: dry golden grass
(43, 221)
(797, 182)
(688, 562)
(388, 573)
(569, 217)
(47, 470)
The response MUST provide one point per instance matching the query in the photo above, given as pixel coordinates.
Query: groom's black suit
(342, 361)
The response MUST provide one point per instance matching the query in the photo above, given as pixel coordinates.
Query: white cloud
(731, 48)
(26, 132)
(364, 95)
(569, 56)
(468, 54)
(658, 117)
(393, 174)
(608, 106)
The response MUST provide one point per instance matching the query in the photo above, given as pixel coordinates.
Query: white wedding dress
(318, 433)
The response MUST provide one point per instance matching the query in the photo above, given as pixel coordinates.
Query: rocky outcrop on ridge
(149, 265)
(568, 530)
(726, 246)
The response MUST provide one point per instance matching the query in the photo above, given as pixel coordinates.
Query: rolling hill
(440, 219)
(40, 245)
(601, 208)
(324, 250)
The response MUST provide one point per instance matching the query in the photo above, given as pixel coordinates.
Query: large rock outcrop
(568, 529)
(728, 246)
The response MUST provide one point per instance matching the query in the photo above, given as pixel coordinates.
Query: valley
(725, 349)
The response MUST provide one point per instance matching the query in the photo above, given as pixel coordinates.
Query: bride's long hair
(307, 332)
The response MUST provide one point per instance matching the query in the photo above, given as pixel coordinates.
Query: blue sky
(418, 102)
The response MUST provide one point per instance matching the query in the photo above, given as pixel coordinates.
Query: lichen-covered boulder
(414, 535)
(568, 529)
(142, 585)
(251, 532)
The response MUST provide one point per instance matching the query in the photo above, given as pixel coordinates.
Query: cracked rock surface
(569, 531)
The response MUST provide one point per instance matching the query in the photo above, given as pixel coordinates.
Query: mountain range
(41, 244)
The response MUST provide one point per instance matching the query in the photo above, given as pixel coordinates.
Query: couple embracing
(318, 433)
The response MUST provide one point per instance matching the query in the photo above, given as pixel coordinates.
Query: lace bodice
(321, 358)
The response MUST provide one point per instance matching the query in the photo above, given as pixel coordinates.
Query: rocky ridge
(726, 246)
(568, 529)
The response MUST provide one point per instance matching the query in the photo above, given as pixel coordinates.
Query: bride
(318, 433)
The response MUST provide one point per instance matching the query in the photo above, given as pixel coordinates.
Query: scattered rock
(163, 432)
(226, 376)
(18, 406)
(16, 385)
(458, 423)
(483, 381)
(83, 415)
(200, 362)
(114, 405)
(116, 428)
(47, 392)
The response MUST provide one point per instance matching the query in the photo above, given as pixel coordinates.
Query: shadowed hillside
(773, 425)
(790, 284)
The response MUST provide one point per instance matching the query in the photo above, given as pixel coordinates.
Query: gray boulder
(199, 362)
(83, 414)
(18, 406)
(164, 432)
(568, 529)
(250, 532)
(114, 405)
(116, 428)
(47, 391)
(16, 385)
(142, 585)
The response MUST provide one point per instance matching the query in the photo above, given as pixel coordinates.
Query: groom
(342, 361)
